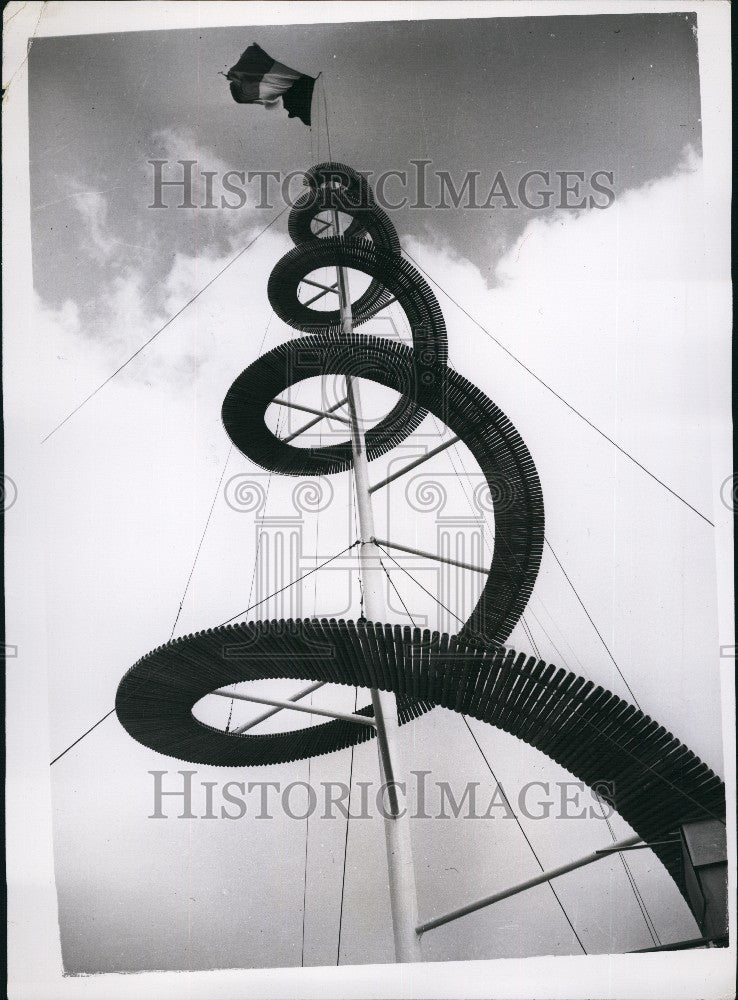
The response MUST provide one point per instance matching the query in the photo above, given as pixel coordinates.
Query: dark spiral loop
(334, 186)
(420, 375)
(658, 782)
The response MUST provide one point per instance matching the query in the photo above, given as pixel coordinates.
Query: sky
(613, 93)
(607, 306)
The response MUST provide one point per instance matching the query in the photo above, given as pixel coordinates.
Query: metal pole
(312, 423)
(431, 555)
(703, 942)
(328, 414)
(400, 869)
(362, 720)
(479, 904)
(302, 693)
(413, 465)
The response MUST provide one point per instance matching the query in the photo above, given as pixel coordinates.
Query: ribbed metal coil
(337, 186)
(395, 278)
(350, 195)
(347, 187)
(493, 441)
(369, 245)
(656, 782)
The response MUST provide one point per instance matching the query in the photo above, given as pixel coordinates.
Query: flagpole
(400, 867)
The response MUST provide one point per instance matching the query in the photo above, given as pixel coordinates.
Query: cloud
(583, 297)
(93, 208)
(175, 145)
(593, 292)
(603, 305)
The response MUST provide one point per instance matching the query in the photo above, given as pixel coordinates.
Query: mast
(400, 868)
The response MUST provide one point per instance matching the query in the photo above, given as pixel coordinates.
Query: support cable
(559, 397)
(202, 539)
(399, 595)
(526, 626)
(436, 599)
(358, 535)
(162, 328)
(556, 649)
(269, 483)
(418, 583)
(461, 480)
(649, 767)
(631, 878)
(502, 792)
(292, 583)
(486, 542)
(647, 919)
(251, 608)
(230, 716)
(589, 616)
(525, 835)
(529, 634)
(79, 738)
(327, 126)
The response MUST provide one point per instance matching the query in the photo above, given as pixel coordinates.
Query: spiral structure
(653, 780)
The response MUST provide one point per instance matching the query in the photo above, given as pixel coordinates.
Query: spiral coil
(654, 781)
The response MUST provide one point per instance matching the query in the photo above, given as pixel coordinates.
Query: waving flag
(258, 79)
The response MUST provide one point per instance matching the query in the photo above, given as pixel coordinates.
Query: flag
(258, 79)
